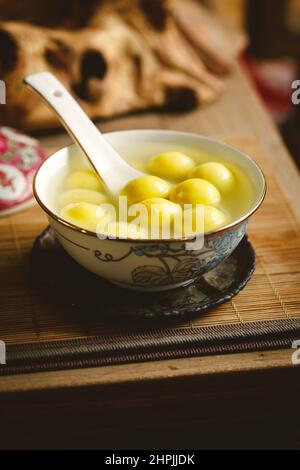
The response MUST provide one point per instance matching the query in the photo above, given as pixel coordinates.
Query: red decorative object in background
(273, 80)
(20, 157)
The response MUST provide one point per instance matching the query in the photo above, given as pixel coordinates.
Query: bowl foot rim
(169, 287)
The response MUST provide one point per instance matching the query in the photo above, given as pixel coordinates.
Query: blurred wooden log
(131, 56)
(234, 12)
(216, 43)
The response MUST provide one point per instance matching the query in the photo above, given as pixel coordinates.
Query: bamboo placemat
(270, 302)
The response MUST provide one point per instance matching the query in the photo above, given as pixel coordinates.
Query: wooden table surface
(141, 405)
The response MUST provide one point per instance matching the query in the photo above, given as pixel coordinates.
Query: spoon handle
(113, 170)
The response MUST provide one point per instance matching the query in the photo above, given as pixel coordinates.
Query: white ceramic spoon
(108, 164)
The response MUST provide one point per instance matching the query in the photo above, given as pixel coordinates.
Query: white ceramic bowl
(137, 264)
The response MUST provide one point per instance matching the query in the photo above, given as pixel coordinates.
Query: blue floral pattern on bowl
(171, 263)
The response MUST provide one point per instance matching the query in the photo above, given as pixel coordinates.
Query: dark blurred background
(273, 57)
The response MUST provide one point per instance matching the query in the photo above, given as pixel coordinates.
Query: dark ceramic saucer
(64, 282)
